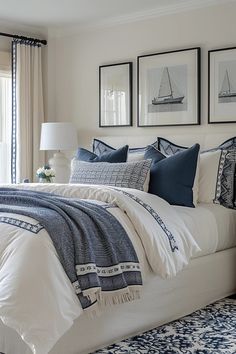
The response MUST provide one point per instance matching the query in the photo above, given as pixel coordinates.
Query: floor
(211, 330)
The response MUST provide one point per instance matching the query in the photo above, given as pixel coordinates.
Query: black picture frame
(219, 112)
(129, 101)
(196, 101)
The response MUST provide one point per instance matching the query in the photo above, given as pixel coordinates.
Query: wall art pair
(168, 89)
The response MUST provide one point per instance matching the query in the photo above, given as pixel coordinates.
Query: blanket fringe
(109, 299)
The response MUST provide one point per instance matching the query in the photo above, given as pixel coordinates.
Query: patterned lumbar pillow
(172, 178)
(135, 154)
(128, 175)
(115, 156)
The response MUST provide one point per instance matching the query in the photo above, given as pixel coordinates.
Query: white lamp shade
(58, 136)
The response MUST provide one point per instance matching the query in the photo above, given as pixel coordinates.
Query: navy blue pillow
(228, 194)
(172, 178)
(116, 156)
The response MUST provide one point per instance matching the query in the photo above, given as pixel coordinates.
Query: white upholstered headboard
(206, 141)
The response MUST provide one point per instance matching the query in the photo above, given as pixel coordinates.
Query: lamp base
(61, 166)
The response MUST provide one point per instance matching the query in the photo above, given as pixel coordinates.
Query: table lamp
(57, 137)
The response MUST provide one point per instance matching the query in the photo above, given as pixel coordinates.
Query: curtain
(27, 110)
(5, 116)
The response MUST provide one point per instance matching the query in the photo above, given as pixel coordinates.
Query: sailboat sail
(226, 88)
(168, 91)
(165, 86)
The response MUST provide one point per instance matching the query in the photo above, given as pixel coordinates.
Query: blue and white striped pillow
(134, 175)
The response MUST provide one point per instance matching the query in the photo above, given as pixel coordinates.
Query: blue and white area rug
(211, 330)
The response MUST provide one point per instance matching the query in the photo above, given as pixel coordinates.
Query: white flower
(40, 170)
(48, 173)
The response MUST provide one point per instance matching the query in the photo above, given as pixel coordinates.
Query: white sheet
(212, 226)
(36, 297)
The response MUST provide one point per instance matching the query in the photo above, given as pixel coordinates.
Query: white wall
(29, 31)
(73, 62)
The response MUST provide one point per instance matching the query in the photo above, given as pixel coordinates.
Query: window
(5, 118)
(114, 103)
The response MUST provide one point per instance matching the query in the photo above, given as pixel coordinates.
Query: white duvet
(36, 297)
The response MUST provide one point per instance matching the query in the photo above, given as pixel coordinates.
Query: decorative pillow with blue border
(228, 144)
(168, 148)
(225, 193)
(172, 178)
(113, 156)
(228, 186)
(135, 154)
(226, 179)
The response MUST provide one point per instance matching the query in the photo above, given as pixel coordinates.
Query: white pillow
(208, 172)
(136, 156)
(196, 182)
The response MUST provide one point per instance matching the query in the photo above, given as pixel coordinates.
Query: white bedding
(212, 226)
(226, 226)
(36, 297)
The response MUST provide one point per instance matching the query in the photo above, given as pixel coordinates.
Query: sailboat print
(227, 90)
(168, 91)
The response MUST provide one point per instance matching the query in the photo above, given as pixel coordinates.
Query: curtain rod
(41, 41)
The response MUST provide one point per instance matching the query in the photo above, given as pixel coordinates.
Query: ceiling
(60, 13)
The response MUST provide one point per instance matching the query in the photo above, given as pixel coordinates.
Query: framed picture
(222, 86)
(115, 95)
(169, 88)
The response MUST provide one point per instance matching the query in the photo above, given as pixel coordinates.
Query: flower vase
(45, 180)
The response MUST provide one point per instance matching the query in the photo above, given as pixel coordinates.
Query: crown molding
(22, 29)
(181, 6)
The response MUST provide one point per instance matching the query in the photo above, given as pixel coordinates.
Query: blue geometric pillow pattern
(172, 178)
(99, 148)
(228, 144)
(119, 155)
(225, 185)
(168, 148)
(226, 179)
(129, 174)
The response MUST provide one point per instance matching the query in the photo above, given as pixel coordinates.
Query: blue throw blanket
(93, 247)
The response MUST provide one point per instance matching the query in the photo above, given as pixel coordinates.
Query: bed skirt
(205, 280)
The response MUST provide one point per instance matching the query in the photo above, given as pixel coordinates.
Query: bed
(209, 276)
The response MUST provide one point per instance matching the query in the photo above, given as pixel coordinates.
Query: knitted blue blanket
(93, 247)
